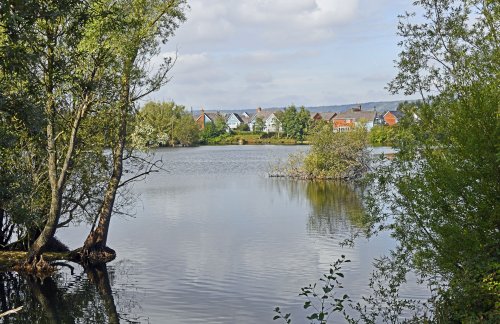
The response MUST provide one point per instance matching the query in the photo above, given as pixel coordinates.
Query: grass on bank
(378, 136)
(252, 139)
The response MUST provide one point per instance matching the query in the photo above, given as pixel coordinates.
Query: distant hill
(379, 106)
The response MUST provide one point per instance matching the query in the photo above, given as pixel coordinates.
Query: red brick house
(392, 117)
(347, 120)
(205, 118)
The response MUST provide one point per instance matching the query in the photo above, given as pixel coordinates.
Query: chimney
(201, 119)
(259, 110)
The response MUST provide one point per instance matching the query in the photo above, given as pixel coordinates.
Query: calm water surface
(212, 240)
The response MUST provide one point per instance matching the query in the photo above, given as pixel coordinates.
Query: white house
(233, 120)
(268, 116)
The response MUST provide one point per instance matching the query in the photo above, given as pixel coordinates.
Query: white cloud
(274, 23)
(259, 77)
(249, 53)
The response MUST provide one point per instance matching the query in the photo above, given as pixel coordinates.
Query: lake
(211, 240)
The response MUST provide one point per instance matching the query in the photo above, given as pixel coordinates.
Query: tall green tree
(440, 196)
(455, 45)
(186, 131)
(147, 23)
(295, 123)
(51, 49)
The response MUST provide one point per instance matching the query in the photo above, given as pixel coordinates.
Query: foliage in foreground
(330, 301)
(440, 200)
(440, 196)
(71, 73)
(324, 300)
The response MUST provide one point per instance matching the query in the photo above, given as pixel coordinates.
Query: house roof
(264, 114)
(398, 114)
(246, 120)
(356, 115)
(237, 116)
(214, 116)
(327, 115)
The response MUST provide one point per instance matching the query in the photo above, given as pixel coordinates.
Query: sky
(244, 54)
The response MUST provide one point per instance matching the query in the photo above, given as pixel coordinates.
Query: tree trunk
(94, 250)
(56, 194)
(57, 181)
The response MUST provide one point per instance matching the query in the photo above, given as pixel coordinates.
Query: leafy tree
(213, 131)
(259, 125)
(383, 135)
(159, 124)
(154, 125)
(440, 196)
(146, 24)
(186, 131)
(295, 123)
(340, 156)
(455, 45)
(337, 155)
(58, 66)
(243, 127)
(74, 69)
(220, 125)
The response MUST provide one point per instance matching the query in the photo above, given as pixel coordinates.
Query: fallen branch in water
(12, 311)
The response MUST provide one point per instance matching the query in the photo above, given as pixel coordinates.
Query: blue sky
(242, 54)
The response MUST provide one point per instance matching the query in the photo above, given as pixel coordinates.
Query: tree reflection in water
(336, 207)
(63, 298)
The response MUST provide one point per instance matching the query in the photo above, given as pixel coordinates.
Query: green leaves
(285, 317)
(439, 196)
(162, 124)
(337, 155)
(323, 302)
(295, 123)
(452, 44)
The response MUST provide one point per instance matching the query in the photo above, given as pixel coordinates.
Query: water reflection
(216, 241)
(335, 207)
(85, 297)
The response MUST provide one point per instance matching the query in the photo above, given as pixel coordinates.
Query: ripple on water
(215, 241)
